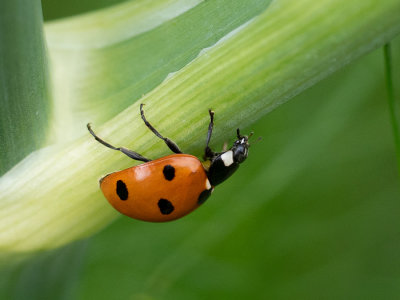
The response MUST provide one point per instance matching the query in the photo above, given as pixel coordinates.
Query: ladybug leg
(132, 154)
(208, 153)
(171, 145)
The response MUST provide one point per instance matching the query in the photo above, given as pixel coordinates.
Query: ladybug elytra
(170, 187)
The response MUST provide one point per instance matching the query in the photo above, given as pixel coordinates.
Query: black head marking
(165, 206)
(204, 195)
(169, 172)
(224, 164)
(240, 148)
(122, 191)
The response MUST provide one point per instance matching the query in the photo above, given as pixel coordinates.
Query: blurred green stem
(391, 101)
(23, 81)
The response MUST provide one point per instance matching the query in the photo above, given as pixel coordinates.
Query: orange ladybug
(170, 187)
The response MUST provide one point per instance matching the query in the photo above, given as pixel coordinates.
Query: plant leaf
(249, 72)
(119, 54)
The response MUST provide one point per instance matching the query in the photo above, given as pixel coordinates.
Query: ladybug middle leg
(171, 145)
(132, 154)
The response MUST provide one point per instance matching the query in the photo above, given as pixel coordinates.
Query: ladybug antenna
(256, 141)
(239, 136)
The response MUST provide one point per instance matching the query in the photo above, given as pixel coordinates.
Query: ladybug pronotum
(172, 186)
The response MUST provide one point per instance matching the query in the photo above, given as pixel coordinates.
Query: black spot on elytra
(169, 172)
(204, 196)
(165, 206)
(122, 191)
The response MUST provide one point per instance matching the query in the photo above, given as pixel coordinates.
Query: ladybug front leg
(208, 153)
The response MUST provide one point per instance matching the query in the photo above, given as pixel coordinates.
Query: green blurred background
(312, 214)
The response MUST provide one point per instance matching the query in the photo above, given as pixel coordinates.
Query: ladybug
(172, 186)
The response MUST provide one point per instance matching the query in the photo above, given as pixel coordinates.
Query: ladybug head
(240, 148)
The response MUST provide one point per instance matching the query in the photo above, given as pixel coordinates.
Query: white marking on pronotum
(208, 185)
(227, 158)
